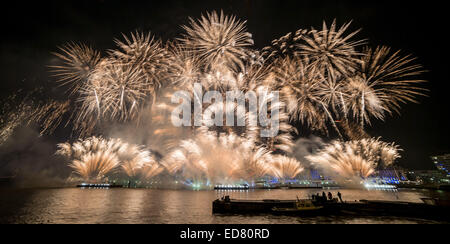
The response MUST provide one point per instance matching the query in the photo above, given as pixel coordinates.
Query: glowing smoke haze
(327, 84)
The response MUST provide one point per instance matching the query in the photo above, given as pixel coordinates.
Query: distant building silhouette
(442, 163)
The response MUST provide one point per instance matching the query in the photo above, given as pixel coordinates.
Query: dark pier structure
(431, 209)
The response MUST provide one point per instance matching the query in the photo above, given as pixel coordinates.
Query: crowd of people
(325, 198)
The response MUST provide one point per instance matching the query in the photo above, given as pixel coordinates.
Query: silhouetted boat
(426, 210)
(302, 207)
(226, 205)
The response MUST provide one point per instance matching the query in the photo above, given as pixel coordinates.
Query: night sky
(31, 30)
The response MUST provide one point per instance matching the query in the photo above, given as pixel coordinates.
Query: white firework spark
(79, 61)
(218, 39)
(299, 85)
(218, 159)
(321, 75)
(355, 160)
(148, 55)
(286, 46)
(383, 81)
(95, 158)
(285, 168)
(331, 51)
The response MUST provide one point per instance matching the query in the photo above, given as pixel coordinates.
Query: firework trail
(355, 160)
(253, 80)
(23, 110)
(254, 165)
(116, 87)
(363, 101)
(207, 157)
(12, 119)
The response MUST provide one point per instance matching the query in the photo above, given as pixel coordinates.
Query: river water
(144, 206)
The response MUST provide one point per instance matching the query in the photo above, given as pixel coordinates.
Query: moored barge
(426, 210)
(227, 205)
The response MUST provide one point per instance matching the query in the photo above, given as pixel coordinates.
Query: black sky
(31, 30)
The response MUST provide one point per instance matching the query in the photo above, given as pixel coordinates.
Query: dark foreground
(141, 206)
(430, 209)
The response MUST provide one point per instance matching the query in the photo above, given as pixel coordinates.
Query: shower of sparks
(285, 167)
(94, 158)
(355, 160)
(325, 81)
(79, 60)
(226, 159)
(286, 46)
(383, 81)
(146, 54)
(331, 50)
(219, 40)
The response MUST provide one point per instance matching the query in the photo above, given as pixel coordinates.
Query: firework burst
(218, 39)
(331, 51)
(321, 76)
(136, 160)
(95, 158)
(218, 159)
(355, 160)
(116, 92)
(95, 166)
(148, 55)
(79, 61)
(286, 46)
(299, 85)
(185, 68)
(285, 168)
(383, 81)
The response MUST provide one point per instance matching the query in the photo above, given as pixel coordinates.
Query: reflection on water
(130, 206)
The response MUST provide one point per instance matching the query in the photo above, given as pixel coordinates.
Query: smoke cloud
(30, 160)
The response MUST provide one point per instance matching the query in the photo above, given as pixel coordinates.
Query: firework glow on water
(329, 84)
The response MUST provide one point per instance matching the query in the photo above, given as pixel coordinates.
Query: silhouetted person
(330, 196)
(340, 197)
(324, 196)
